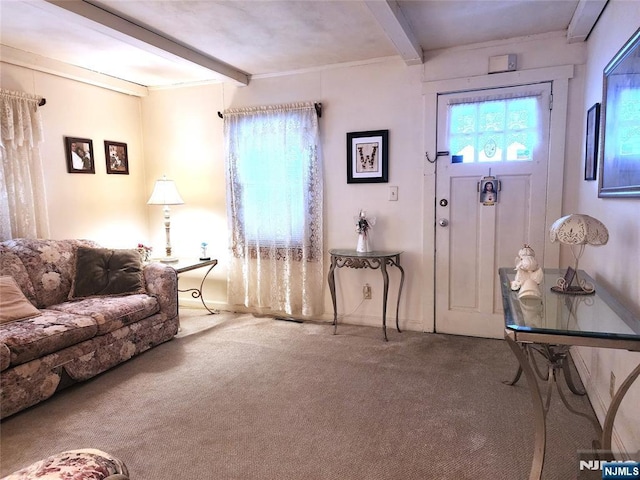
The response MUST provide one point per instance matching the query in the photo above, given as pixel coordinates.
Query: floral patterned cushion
(111, 313)
(47, 333)
(50, 265)
(10, 264)
(83, 464)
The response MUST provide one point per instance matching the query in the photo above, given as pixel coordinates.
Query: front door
(491, 193)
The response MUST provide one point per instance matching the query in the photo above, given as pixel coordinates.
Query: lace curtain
(274, 203)
(23, 206)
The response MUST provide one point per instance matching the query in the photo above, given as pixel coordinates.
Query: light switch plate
(393, 194)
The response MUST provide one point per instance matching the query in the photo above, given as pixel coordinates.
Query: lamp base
(169, 259)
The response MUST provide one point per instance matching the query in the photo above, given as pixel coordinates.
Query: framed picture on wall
(620, 145)
(593, 137)
(79, 155)
(116, 157)
(367, 156)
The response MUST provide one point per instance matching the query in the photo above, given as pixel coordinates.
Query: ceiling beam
(39, 63)
(394, 23)
(584, 19)
(140, 37)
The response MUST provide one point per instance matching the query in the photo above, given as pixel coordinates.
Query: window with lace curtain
(273, 166)
(274, 202)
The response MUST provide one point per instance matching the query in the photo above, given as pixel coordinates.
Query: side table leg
(197, 292)
(385, 293)
(538, 410)
(399, 294)
(332, 290)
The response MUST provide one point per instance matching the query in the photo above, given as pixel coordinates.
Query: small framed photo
(592, 138)
(488, 191)
(568, 277)
(79, 155)
(367, 157)
(117, 158)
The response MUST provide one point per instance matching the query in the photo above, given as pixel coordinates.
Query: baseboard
(599, 404)
(362, 320)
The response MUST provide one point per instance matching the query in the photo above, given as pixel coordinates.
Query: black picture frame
(368, 156)
(79, 153)
(116, 157)
(591, 142)
(619, 170)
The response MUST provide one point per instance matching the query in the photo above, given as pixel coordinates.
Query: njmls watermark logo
(601, 464)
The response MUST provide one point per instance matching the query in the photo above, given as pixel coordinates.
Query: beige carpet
(239, 397)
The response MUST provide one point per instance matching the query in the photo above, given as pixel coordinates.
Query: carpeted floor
(241, 397)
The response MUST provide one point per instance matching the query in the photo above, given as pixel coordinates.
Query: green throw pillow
(104, 271)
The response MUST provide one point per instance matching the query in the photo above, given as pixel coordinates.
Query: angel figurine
(527, 269)
(363, 226)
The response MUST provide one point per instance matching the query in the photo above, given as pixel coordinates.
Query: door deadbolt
(443, 202)
(443, 222)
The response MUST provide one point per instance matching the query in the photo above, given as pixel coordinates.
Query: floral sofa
(82, 325)
(83, 464)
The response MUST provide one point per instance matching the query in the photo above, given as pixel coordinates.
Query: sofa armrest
(162, 282)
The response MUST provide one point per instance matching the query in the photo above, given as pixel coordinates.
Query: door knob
(443, 222)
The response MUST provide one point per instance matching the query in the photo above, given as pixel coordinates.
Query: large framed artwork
(116, 156)
(79, 155)
(620, 158)
(591, 147)
(367, 156)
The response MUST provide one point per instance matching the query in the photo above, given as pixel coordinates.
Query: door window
(494, 130)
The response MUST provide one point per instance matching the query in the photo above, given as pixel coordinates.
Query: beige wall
(107, 208)
(616, 264)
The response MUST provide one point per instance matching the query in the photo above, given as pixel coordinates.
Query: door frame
(559, 78)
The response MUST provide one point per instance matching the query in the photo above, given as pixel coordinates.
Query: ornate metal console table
(548, 327)
(373, 260)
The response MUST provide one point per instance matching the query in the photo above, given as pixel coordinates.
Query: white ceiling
(168, 42)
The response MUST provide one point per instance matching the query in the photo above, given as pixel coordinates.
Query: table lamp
(165, 193)
(577, 230)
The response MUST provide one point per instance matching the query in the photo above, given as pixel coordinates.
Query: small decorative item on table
(203, 251)
(363, 225)
(145, 253)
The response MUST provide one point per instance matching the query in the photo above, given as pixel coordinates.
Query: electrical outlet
(612, 385)
(366, 291)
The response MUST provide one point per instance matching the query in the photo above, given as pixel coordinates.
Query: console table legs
(364, 261)
(539, 412)
(557, 359)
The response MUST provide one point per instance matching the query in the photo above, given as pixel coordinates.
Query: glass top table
(549, 326)
(597, 320)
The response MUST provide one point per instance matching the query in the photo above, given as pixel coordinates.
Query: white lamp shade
(579, 229)
(165, 193)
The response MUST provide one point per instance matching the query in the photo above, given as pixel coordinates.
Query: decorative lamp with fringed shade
(577, 230)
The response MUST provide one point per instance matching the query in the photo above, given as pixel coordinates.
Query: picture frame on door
(368, 156)
(79, 153)
(591, 144)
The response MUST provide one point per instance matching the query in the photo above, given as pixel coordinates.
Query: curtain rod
(317, 105)
(15, 94)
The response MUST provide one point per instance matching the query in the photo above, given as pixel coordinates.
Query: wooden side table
(183, 266)
(373, 260)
